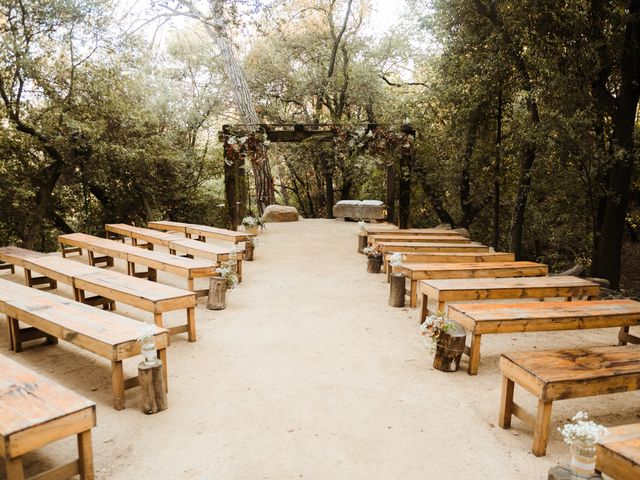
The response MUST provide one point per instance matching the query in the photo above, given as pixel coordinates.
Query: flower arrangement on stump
(252, 224)
(447, 341)
(582, 435)
(375, 259)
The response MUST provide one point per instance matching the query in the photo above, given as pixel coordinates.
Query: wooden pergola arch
(398, 176)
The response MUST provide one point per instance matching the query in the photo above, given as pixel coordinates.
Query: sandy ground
(310, 374)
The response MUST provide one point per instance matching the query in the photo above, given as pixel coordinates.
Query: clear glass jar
(148, 350)
(583, 459)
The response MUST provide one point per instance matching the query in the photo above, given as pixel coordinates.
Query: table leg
(14, 468)
(117, 384)
(506, 403)
(413, 299)
(191, 324)
(162, 355)
(474, 354)
(85, 456)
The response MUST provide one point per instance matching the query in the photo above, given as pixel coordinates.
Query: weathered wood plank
(618, 453)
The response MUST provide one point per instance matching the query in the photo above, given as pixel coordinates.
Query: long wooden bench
(429, 247)
(106, 334)
(423, 271)
(381, 229)
(373, 240)
(110, 287)
(201, 232)
(154, 261)
(488, 318)
(7, 266)
(440, 257)
(618, 452)
(563, 374)
(34, 412)
(460, 290)
(16, 256)
(174, 242)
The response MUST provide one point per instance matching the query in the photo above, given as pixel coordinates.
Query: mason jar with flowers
(582, 435)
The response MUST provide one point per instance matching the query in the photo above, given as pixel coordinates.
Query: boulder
(280, 213)
(462, 231)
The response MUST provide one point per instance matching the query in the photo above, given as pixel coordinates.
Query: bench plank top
(146, 234)
(393, 237)
(455, 257)
(521, 283)
(577, 364)
(201, 230)
(457, 270)
(431, 247)
(17, 256)
(195, 247)
(28, 399)
(618, 452)
(374, 230)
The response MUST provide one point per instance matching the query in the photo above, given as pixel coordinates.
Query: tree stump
(249, 250)
(397, 290)
(449, 349)
(362, 241)
(152, 388)
(217, 294)
(564, 473)
(374, 264)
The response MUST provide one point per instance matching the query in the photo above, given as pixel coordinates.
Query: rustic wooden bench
(460, 290)
(174, 242)
(34, 412)
(382, 229)
(427, 247)
(423, 271)
(16, 256)
(110, 287)
(618, 452)
(373, 240)
(202, 232)
(488, 318)
(154, 261)
(106, 334)
(443, 257)
(7, 266)
(562, 374)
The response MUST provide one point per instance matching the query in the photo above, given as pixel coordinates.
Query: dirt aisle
(309, 374)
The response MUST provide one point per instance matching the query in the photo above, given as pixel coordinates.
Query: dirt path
(309, 374)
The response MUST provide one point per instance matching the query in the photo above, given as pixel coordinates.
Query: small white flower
(396, 259)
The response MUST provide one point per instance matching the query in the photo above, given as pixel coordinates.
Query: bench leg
(10, 334)
(14, 329)
(162, 355)
(14, 468)
(506, 403)
(424, 311)
(541, 429)
(440, 307)
(7, 266)
(413, 296)
(191, 284)
(239, 265)
(85, 456)
(117, 384)
(622, 334)
(191, 324)
(474, 356)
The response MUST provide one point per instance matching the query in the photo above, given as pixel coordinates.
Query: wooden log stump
(449, 349)
(397, 290)
(362, 241)
(217, 294)
(564, 473)
(249, 251)
(374, 264)
(152, 388)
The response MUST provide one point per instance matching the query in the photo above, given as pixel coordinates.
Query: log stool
(397, 290)
(561, 374)
(152, 387)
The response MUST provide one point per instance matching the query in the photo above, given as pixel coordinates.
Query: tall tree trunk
(391, 192)
(43, 197)
(327, 170)
(496, 179)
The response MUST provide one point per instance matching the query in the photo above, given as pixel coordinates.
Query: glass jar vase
(148, 350)
(583, 459)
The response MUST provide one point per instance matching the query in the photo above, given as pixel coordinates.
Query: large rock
(365, 209)
(280, 213)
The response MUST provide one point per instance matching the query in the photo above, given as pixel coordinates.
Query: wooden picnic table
(562, 374)
(202, 232)
(431, 247)
(175, 243)
(444, 257)
(154, 261)
(488, 318)
(111, 287)
(618, 452)
(392, 237)
(106, 334)
(423, 271)
(34, 412)
(460, 290)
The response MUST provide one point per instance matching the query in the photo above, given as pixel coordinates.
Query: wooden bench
(7, 266)
(489, 318)
(16, 256)
(110, 287)
(34, 412)
(562, 374)
(460, 290)
(202, 232)
(106, 334)
(440, 257)
(423, 271)
(393, 237)
(154, 261)
(382, 229)
(428, 247)
(174, 242)
(618, 452)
